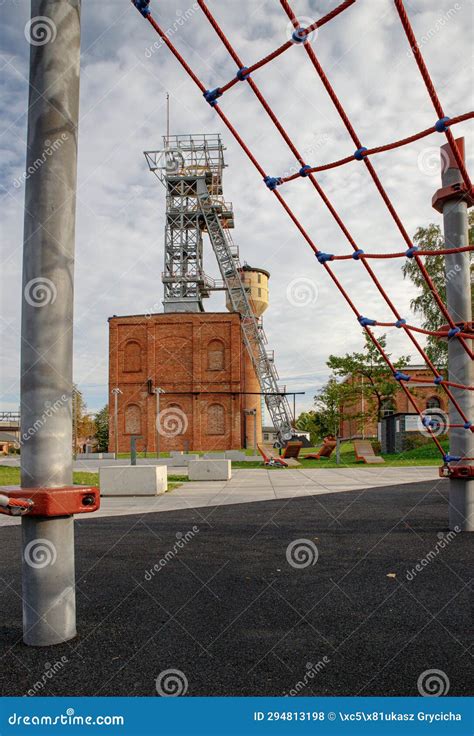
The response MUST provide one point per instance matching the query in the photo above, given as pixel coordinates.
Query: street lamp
(157, 391)
(116, 392)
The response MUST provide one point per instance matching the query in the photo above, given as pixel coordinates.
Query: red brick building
(426, 397)
(200, 362)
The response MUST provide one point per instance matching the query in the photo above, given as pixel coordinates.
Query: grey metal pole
(116, 392)
(255, 431)
(459, 303)
(49, 615)
(158, 391)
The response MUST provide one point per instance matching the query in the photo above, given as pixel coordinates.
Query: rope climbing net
(443, 125)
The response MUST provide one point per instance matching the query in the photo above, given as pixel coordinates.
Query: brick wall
(199, 360)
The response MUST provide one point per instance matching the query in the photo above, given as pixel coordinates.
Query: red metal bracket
(457, 191)
(64, 501)
(457, 471)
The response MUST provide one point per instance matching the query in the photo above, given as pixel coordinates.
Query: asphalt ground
(228, 611)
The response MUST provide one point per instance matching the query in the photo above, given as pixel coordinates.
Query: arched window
(215, 419)
(433, 403)
(133, 422)
(132, 357)
(215, 356)
(388, 408)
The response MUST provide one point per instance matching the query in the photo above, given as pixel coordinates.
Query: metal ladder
(254, 335)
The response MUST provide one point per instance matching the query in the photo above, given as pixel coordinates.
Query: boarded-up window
(132, 357)
(215, 356)
(215, 419)
(133, 424)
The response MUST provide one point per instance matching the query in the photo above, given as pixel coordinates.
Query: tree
(431, 238)
(82, 422)
(365, 376)
(328, 412)
(101, 422)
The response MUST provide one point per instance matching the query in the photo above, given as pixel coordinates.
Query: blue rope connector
(359, 154)
(438, 380)
(299, 35)
(441, 126)
(400, 322)
(467, 425)
(142, 7)
(427, 422)
(366, 321)
(241, 74)
(411, 251)
(211, 96)
(272, 182)
(304, 170)
(324, 257)
(399, 376)
(357, 254)
(451, 458)
(454, 331)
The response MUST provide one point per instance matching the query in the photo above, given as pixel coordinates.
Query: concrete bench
(133, 480)
(210, 470)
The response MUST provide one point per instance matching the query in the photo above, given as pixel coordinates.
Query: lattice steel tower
(191, 167)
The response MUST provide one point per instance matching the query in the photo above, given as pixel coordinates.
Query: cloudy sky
(120, 210)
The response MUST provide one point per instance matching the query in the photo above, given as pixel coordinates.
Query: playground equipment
(269, 459)
(364, 452)
(191, 168)
(292, 450)
(457, 466)
(326, 450)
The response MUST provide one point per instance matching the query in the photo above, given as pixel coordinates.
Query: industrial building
(187, 379)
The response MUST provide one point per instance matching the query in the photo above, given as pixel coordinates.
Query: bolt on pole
(461, 369)
(49, 605)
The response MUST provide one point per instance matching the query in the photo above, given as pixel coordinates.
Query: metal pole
(255, 431)
(158, 391)
(458, 299)
(49, 605)
(116, 392)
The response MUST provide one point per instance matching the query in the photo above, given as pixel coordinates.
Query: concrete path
(257, 484)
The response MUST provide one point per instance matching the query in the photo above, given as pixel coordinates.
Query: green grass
(11, 477)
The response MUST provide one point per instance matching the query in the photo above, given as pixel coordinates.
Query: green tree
(308, 421)
(101, 422)
(328, 414)
(431, 238)
(365, 375)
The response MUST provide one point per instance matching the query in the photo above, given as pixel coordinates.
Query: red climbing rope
(443, 125)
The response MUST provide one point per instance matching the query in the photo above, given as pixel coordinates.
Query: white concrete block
(214, 456)
(235, 455)
(133, 480)
(176, 453)
(210, 470)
